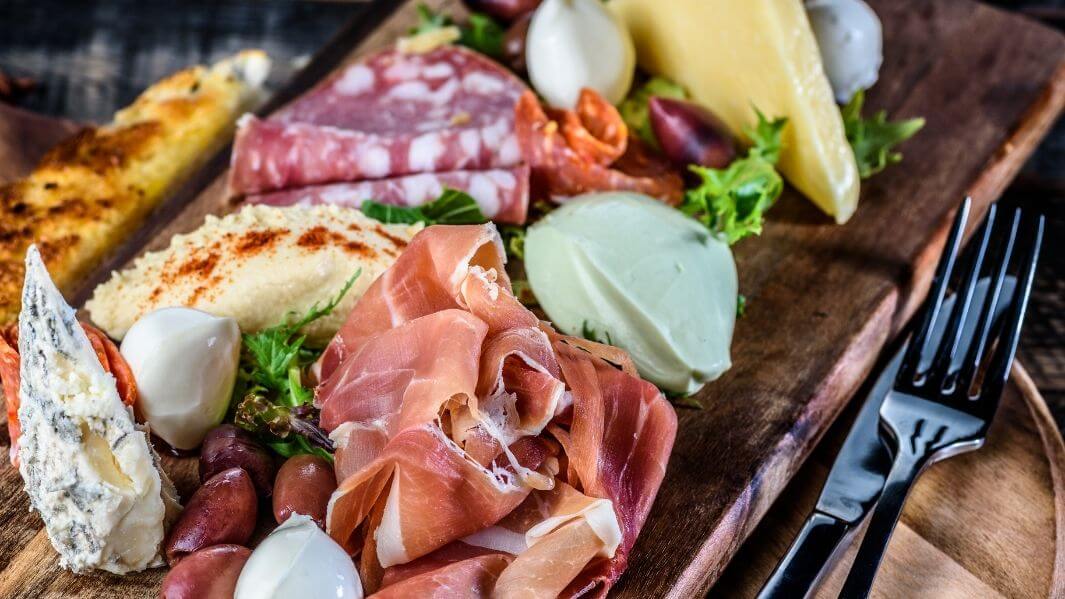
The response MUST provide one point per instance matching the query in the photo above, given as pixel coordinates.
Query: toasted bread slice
(89, 192)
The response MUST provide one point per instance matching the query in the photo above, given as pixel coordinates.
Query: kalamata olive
(230, 447)
(690, 134)
(223, 510)
(504, 10)
(514, 44)
(209, 573)
(304, 484)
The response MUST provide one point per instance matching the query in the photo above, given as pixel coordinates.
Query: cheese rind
(735, 56)
(88, 469)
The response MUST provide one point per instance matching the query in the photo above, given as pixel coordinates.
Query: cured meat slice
(406, 373)
(620, 425)
(393, 114)
(106, 352)
(428, 279)
(446, 555)
(573, 152)
(435, 495)
(472, 577)
(520, 381)
(501, 194)
(10, 379)
(532, 445)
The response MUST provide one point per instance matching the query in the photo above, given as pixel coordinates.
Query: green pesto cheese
(642, 276)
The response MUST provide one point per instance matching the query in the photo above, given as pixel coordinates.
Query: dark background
(89, 58)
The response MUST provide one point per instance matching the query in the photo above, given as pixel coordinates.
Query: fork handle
(904, 471)
(802, 567)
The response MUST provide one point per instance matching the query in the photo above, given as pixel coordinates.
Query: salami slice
(573, 152)
(392, 114)
(502, 194)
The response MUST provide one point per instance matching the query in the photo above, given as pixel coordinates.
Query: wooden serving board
(823, 300)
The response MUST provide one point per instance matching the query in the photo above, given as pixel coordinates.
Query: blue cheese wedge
(87, 467)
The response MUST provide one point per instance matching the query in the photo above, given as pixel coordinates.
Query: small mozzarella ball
(572, 44)
(185, 364)
(851, 41)
(298, 560)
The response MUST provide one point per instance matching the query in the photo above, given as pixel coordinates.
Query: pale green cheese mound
(641, 275)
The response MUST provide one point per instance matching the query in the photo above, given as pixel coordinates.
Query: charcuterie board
(823, 300)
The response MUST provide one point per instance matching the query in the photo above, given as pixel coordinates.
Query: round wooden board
(985, 524)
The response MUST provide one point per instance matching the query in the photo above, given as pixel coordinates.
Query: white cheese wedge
(87, 467)
(735, 55)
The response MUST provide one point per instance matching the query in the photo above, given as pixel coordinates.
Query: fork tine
(912, 360)
(985, 324)
(999, 369)
(940, 372)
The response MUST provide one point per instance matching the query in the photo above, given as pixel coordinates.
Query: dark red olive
(690, 134)
(304, 485)
(230, 447)
(223, 510)
(514, 44)
(504, 10)
(209, 573)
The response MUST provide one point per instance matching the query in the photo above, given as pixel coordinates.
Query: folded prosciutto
(392, 114)
(481, 453)
(502, 194)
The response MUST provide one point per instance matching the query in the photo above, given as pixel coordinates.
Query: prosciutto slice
(482, 453)
(472, 577)
(392, 114)
(501, 194)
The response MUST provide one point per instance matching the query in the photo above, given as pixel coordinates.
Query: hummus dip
(257, 265)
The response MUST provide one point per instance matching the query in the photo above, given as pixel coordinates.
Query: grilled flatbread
(89, 192)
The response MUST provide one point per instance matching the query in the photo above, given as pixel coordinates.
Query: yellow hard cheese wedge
(735, 55)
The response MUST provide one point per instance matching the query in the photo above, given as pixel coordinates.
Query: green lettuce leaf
(269, 397)
(483, 34)
(732, 201)
(872, 139)
(453, 207)
(480, 32)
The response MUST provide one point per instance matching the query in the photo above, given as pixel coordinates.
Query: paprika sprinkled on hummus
(256, 265)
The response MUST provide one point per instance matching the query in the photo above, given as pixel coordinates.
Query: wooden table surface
(792, 222)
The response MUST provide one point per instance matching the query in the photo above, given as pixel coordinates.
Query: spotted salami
(502, 194)
(392, 114)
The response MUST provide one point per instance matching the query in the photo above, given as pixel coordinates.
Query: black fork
(938, 409)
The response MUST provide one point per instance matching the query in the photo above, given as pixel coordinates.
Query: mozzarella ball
(185, 364)
(573, 44)
(299, 561)
(851, 41)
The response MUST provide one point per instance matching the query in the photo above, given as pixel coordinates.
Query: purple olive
(304, 485)
(209, 573)
(514, 44)
(690, 134)
(504, 10)
(230, 447)
(223, 510)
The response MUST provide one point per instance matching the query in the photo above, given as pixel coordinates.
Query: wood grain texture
(987, 524)
(823, 301)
